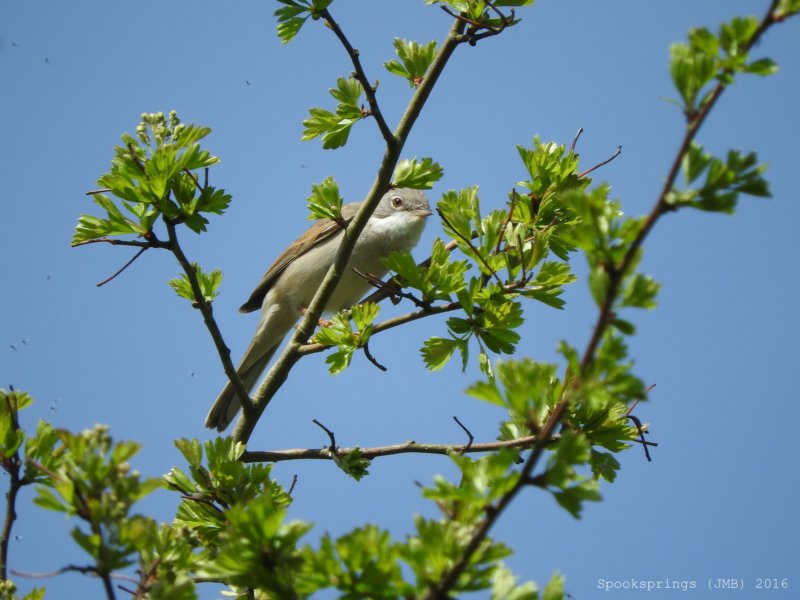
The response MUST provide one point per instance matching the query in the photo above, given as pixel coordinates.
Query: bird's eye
(397, 201)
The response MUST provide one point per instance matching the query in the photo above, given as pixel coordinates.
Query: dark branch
(125, 266)
(208, 317)
(617, 152)
(378, 451)
(361, 76)
(468, 432)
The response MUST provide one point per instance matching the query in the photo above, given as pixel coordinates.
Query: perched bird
(289, 285)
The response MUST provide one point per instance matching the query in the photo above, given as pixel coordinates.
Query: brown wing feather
(318, 232)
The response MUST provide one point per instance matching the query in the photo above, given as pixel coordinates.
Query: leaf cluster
(341, 334)
(334, 127)
(89, 477)
(415, 58)
(156, 173)
(722, 180)
(709, 58)
(293, 15)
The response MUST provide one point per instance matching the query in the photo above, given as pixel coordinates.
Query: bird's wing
(319, 232)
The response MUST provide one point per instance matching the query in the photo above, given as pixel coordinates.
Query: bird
(290, 283)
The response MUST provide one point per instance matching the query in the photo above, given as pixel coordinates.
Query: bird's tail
(228, 404)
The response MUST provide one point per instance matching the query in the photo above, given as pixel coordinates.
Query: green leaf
(335, 127)
(415, 59)
(339, 361)
(364, 315)
(504, 586)
(420, 175)
(208, 282)
(640, 291)
(352, 463)
(598, 284)
(294, 14)
(325, 201)
(554, 589)
(436, 352)
(762, 66)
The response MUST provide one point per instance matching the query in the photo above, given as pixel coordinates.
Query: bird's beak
(422, 212)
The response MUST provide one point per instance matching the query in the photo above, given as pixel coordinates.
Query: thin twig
(386, 290)
(149, 243)
(388, 324)
(468, 432)
(640, 429)
(125, 266)
(617, 152)
(331, 436)
(291, 487)
(361, 76)
(86, 570)
(575, 139)
(371, 358)
(392, 289)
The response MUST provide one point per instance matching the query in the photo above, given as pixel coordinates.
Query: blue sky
(719, 498)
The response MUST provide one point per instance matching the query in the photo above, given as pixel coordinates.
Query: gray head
(403, 199)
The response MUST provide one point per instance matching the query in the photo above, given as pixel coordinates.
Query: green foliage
(526, 389)
(438, 280)
(335, 127)
(414, 60)
(509, 248)
(340, 333)
(352, 463)
(786, 8)
(723, 183)
(479, 11)
(294, 14)
(325, 201)
(258, 548)
(210, 489)
(569, 488)
(708, 58)
(417, 174)
(90, 478)
(483, 481)
(363, 563)
(155, 174)
(438, 544)
(504, 586)
(208, 282)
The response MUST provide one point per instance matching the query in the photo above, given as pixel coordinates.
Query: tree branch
(361, 76)
(378, 451)
(208, 317)
(280, 370)
(441, 589)
(11, 465)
